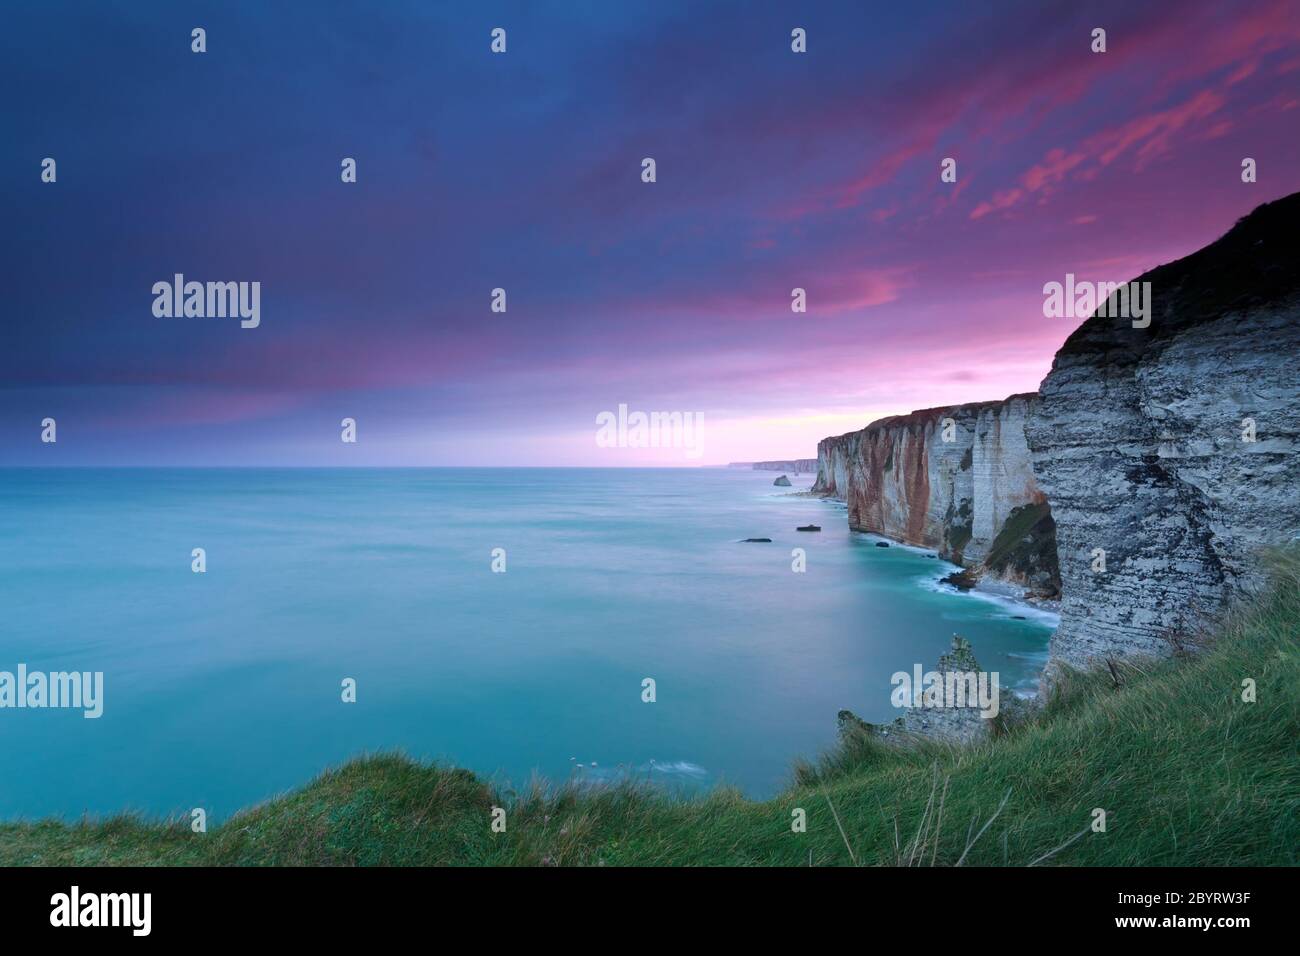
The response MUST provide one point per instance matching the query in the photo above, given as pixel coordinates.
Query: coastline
(1047, 610)
(1172, 733)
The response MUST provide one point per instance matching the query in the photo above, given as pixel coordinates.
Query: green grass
(958, 534)
(1019, 524)
(1188, 774)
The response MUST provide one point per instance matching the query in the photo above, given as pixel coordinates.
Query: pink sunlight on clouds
(776, 172)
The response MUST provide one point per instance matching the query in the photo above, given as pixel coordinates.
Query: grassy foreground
(1188, 774)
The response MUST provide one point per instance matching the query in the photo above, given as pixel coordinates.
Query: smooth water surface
(223, 688)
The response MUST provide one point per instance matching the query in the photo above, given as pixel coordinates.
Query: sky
(522, 170)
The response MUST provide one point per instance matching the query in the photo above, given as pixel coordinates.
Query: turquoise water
(223, 688)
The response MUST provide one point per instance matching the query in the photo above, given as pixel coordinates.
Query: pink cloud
(1004, 199)
(139, 409)
(1198, 44)
(1052, 169)
(829, 290)
(1150, 135)
(1154, 131)
(861, 289)
(886, 168)
(1242, 72)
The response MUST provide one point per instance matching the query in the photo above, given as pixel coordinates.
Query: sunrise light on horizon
(774, 172)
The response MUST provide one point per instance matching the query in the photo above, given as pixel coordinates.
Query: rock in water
(808, 527)
(962, 724)
(961, 580)
(782, 482)
(882, 544)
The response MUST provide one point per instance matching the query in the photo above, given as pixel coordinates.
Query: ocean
(224, 688)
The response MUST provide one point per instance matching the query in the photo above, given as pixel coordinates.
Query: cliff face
(1139, 442)
(958, 480)
(796, 466)
(1170, 455)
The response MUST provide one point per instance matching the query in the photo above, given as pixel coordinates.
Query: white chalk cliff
(1138, 444)
(1139, 440)
(956, 479)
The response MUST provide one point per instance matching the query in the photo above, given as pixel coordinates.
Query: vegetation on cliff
(1187, 772)
(1025, 550)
